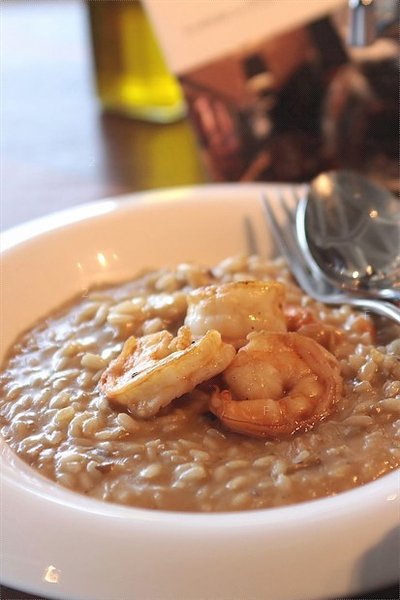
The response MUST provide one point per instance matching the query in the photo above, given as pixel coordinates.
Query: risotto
(244, 403)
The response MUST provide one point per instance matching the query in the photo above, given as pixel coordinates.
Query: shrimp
(153, 370)
(277, 384)
(326, 335)
(297, 316)
(304, 322)
(236, 309)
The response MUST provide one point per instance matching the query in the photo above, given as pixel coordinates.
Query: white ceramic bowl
(62, 545)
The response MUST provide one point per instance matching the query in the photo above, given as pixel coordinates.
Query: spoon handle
(384, 309)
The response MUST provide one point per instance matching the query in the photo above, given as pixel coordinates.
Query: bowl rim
(356, 506)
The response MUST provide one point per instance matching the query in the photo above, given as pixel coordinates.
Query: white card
(194, 32)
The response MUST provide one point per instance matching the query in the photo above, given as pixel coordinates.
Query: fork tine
(288, 210)
(284, 233)
(284, 237)
(275, 226)
(289, 201)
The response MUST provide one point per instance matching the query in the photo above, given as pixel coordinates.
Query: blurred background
(334, 106)
(57, 147)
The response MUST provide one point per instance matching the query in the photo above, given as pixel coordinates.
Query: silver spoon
(349, 229)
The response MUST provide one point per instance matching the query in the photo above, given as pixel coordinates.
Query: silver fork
(314, 284)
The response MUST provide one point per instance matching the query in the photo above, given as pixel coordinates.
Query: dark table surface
(59, 150)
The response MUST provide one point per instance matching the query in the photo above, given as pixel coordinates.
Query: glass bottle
(131, 75)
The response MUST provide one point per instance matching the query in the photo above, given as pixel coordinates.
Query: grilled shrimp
(296, 317)
(326, 335)
(277, 384)
(153, 370)
(236, 309)
(304, 322)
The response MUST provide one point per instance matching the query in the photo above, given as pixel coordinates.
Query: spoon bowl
(349, 229)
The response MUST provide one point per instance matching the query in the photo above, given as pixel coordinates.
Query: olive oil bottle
(131, 75)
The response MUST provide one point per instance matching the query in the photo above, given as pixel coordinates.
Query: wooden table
(58, 149)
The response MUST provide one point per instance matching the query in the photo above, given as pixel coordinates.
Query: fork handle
(384, 309)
